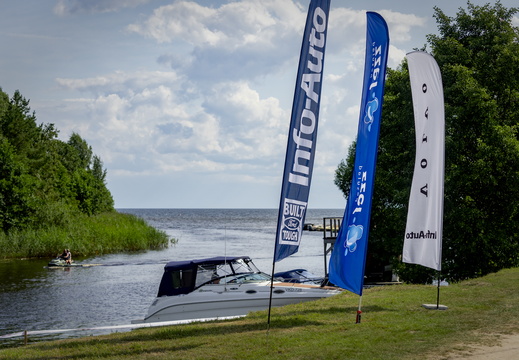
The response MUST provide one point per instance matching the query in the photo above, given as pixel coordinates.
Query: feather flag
(347, 262)
(423, 233)
(302, 135)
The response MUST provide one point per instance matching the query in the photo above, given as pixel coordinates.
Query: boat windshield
(244, 266)
(236, 271)
(245, 278)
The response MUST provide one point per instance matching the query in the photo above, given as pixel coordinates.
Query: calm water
(35, 298)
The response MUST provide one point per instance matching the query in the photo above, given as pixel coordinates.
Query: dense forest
(478, 54)
(53, 194)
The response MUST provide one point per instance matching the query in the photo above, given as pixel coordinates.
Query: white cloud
(133, 117)
(121, 82)
(229, 26)
(346, 31)
(395, 56)
(401, 25)
(234, 41)
(250, 126)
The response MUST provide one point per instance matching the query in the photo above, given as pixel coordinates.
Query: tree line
(53, 193)
(478, 54)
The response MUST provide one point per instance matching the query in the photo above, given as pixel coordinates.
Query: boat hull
(218, 301)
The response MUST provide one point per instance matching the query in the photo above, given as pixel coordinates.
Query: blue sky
(188, 102)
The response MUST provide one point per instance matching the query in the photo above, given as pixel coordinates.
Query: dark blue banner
(348, 258)
(302, 133)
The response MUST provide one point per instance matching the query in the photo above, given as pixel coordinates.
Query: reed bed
(86, 235)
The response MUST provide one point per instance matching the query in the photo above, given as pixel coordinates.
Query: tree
(88, 176)
(4, 103)
(16, 201)
(90, 189)
(103, 200)
(78, 154)
(18, 124)
(41, 177)
(478, 54)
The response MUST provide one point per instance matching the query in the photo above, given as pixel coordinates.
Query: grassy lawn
(394, 326)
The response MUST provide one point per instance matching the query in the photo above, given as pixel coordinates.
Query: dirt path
(506, 348)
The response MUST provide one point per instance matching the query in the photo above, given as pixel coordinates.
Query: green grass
(85, 235)
(394, 326)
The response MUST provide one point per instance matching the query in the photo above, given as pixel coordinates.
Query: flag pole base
(434, 307)
(357, 321)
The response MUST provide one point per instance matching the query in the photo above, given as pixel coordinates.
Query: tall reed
(84, 235)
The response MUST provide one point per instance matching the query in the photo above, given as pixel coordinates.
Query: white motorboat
(222, 287)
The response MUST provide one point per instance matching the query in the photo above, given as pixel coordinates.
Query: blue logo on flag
(354, 234)
(371, 107)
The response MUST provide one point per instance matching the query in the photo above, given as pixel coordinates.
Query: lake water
(33, 297)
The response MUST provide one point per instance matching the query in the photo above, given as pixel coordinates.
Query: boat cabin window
(205, 274)
(182, 278)
(176, 282)
(212, 273)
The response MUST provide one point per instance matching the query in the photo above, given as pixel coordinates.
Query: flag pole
(438, 294)
(359, 311)
(270, 297)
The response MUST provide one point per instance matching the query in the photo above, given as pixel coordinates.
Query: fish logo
(371, 107)
(354, 234)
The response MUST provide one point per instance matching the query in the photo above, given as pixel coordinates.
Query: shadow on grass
(321, 315)
(133, 352)
(334, 310)
(199, 330)
(139, 341)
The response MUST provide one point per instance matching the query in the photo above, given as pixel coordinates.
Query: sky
(188, 103)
